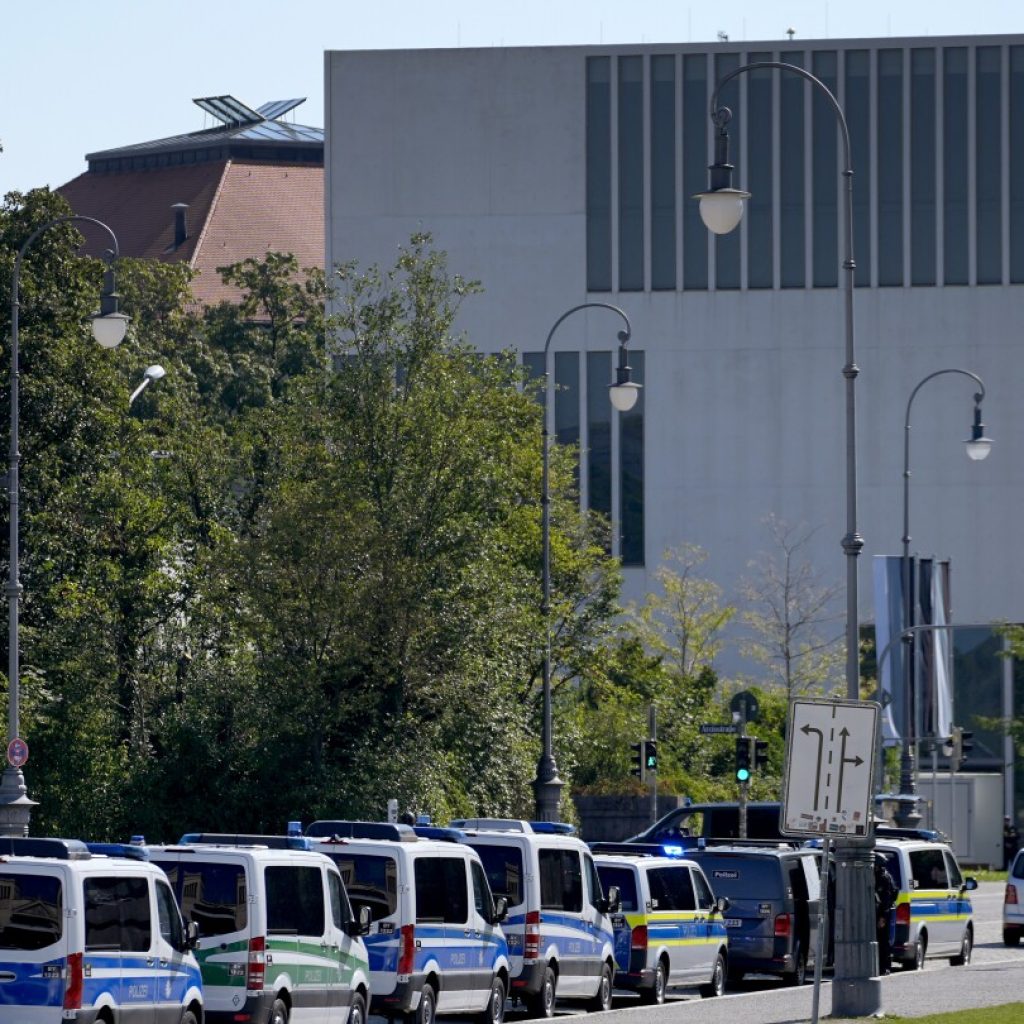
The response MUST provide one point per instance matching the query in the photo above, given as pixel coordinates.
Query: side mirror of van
(611, 903)
(191, 937)
(500, 910)
(360, 924)
(721, 905)
(969, 884)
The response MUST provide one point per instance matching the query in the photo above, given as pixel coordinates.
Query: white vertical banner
(888, 587)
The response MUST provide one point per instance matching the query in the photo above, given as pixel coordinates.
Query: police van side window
(953, 870)
(31, 911)
(117, 914)
(626, 882)
(561, 880)
(671, 889)
(705, 899)
(441, 892)
(481, 892)
(170, 920)
(295, 900)
(928, 869)
(341, 912)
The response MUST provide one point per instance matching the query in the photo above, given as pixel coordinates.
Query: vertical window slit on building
(954, 164)
(727, 247)
(989, 163)
(567, 401)
(923, 196)
(792, 89)
(599, 175)
(1016, 182)
(761, 153)
(857, 107)
(694, 170)
(663, 172)
(889, 157)
(599, 432)
(825, 173)
(631, 472)
(631, 174)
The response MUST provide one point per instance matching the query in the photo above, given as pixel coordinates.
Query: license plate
(733, 922)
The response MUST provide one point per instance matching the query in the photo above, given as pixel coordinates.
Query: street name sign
(718, 728)
(828, 786)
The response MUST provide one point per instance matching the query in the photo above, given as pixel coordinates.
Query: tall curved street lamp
(547, 786)
(108, 327)
(856, 990)
(978, 446)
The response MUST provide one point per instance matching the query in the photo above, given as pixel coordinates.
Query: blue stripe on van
(24, 984)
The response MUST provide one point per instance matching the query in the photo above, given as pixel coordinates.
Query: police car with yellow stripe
(670, 932)
(932, 917)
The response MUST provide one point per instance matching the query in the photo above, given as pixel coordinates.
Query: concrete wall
(744, 391)
(612, 818)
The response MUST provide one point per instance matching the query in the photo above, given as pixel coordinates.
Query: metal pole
(908, 815)
(547, 786)
(652, 774)
(823, 923)
(15, 805)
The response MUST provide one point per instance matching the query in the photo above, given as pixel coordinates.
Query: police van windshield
(213, 895)
(503, 866)
(31, 913)
(371, 881)
(743, 878)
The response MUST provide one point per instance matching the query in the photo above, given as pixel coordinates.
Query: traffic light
(742, 758)
(650, 755)
(760, 754)
(638, 760)
(966, 744)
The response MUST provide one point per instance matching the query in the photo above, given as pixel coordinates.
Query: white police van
(86, 938)
(277, 941)
(435, 943)
(559, 928)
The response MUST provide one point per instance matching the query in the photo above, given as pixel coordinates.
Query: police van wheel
(655, 995)
(920, 951)
(965, 951)
(799, 973)
(543, 1003)
(357, 1011)
(188, 1017)
(428, 1004)
(717, 986)
(602, 999)
(278, 1013)
(1011, 938)
(494, 1011)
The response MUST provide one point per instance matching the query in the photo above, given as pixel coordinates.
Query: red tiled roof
(236, 210)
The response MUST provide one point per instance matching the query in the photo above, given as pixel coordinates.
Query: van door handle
(150, 961)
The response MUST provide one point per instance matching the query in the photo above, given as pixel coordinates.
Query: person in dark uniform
(1011, 841)
(885, 898)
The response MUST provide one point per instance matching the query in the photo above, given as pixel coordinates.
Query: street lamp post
(547, 786)
(978, 447)
(109, 328)
(856, 990)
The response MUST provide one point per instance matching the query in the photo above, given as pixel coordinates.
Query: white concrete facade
(744, 394)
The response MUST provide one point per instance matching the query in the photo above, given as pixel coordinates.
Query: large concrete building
(560, 176)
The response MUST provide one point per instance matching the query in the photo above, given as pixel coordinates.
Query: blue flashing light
(294, 828)
(671, 850)
(133, 850)
(560, 828)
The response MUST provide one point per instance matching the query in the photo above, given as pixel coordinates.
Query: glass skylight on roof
(228, 109)
(274, 109)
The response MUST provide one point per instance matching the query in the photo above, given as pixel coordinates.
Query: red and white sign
(17, 752)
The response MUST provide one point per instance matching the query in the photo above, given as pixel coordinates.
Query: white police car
(86, 938)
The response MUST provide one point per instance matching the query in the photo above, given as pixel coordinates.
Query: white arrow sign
(830, 767)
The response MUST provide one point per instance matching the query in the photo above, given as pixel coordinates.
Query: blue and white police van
(87, 937)
(559, 926)
(435, 941)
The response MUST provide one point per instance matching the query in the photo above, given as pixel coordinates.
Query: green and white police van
(278, 941)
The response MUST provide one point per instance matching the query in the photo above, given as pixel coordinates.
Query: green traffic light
(742, 774)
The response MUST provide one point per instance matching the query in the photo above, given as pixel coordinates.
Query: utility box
(968, 807)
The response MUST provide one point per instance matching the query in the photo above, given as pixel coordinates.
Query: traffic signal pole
(651, 758)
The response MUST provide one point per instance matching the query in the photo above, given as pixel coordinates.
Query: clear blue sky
(83, 75)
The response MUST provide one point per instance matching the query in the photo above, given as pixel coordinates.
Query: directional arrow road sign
(830, 762)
